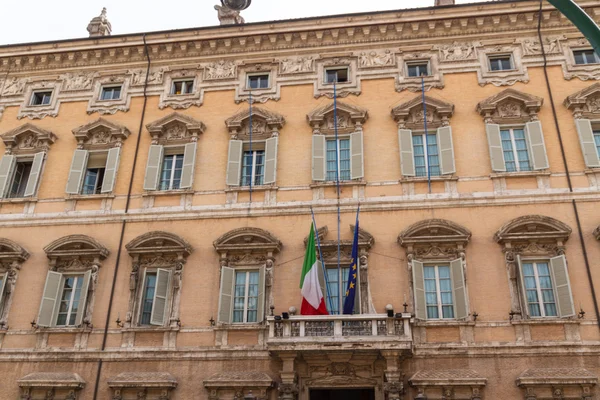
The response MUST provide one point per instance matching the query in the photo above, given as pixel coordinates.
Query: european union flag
(352, 274)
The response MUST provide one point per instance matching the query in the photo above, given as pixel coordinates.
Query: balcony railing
(339, 328)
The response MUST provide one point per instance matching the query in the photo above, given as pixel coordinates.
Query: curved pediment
(264, 123)
(158, 242)
(533, 227)
(410, 115)
(175, 128)
(349, 117)
(247, 239)
(11, 251)
(101, 132)
(76, 246)
(434, 231)
(510, 106)
(585, 103)
(28, 138)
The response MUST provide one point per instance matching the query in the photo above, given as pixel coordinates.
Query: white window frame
(596, 57)
(407, 64)
(342, 288)
(112, 88)
(538, 288)
(186, 84)
(339, 158)
(147, 271)
(259, 75)
(43, 92)
(514, 146)
(176, 151)
(438, 292)
(426, 151)
(78, 278)
(246, 291)
(596, 133)
(340, 68)
(253, 175)
(23, 160)
(491, 57)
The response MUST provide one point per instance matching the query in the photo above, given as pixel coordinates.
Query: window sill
(444, 323)
(90, 196)
(151, 329)
(65, 329)
(442, 178)
(241, 327)
(546, 321)
(520, 174)
(334, 184)
(261, 188)
(20, 200)
(167, 192)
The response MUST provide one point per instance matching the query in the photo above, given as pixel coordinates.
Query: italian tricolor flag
(313, 302)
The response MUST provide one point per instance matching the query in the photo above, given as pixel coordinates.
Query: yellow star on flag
(354, 276)
(354, 267)
(351, 285)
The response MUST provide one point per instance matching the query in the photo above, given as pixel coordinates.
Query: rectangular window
(170, 176)
(339, 75)
(514, 146)
(583, 57)
(258, 81)
(539, 291)
(426, 155)
(20, 179)
(69, 300)
(338, 159)
(253, 168)
(337, 285)
(501, 63)
(416, 69)
(245, 302)
(148, 298)
(94, 173)
(438, 292)
(182, 87)
(111, 93)
(40, 98)
(597, 140)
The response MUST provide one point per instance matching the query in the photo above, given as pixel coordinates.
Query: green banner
(581, 20)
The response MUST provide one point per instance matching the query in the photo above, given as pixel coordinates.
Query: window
(245, 302)
(417, 69)
(583, 57)
(170, 177)
(253, 168)
(501, 63)
(148, 298)
(110, 93)
(20, 179)
(258, 81)
(339, 75)
(438, 292)
(426, 155)
(514, 146)
(69, 300)
(597, 141)
(40, 98)
(539, 289)
(337, 284)
(154, 300)
(182, 87)
(338, 159)
(94, 174)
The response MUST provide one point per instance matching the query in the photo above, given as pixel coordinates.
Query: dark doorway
(342, 394)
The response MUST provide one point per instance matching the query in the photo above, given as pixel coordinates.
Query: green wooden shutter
(319, 164)
(261, 295)
(234, 162)
(495, 146)
(588, 143)
(77, 171)
(189, 166)
(407, 157)
(49, 299)
(444, 137)
(110, 171)
(153, 165)
(562, 286)
(419, 288)
(459, 289)
(525, 307)
(357, 165)
(7, 167)
(536, 145)
(34, 175)
(161, 295)
(271, 147)
(83, 298)
(226, 295)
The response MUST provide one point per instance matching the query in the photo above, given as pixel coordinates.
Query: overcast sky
(24, 21)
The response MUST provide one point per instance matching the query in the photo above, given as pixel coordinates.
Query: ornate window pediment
(51, 385)
(226, 385)
(557, 383)
(448, 384)
(585, 103)
(175, 128)
(28, 139)
(100, 134)
(247, 246)
(510, 107)
(534, 234)
(75, 252)
(12, 256)
(10, 252)
(142, 385)
(410, 115)
(435, 239)
(265, 124)
(156, 257)
(350, 118)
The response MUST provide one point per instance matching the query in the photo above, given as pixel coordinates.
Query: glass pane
(419, 155)
(333, 306)
(433, 155)
(148, 298)
(447, 312)
(432, 312)
(534, 310)
(579, 57)
(550, 310)
(166, 172)
(597, 140)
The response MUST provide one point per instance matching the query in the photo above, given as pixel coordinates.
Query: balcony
(340, 331)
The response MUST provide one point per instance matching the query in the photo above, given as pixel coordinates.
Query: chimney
(99, 26)
(444, 3)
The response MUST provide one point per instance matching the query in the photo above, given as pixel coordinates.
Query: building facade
(156, 196)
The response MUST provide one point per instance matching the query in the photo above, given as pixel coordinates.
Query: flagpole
(337, 175)
(352, 280)
(321, 258)
(426, 134)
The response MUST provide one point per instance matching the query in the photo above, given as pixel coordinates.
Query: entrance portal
(342, 394)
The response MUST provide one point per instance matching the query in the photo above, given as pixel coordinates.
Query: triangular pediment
(533, 227)
(175, 127)
(272, 119)
(101, 132)
(349, 117)
(586, 102)
(412, 113)
(28, 137)
(510, 105)
(159, 242)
